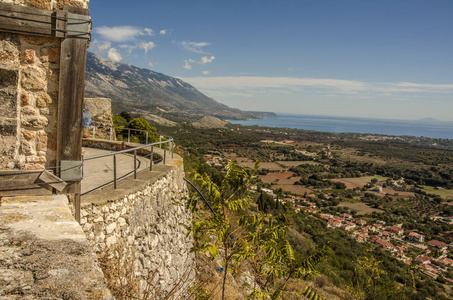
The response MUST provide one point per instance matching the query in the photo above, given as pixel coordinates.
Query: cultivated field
(444, 193)
(359, 181)
(360, 207)
(290, 164)
(280, 178)
(247, 162)
(294, 189)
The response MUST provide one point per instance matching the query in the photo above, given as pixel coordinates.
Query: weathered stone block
(43, 100)
(25, 99)
(41, 141)
(8, 77)
(35, 159)
(110, 228)
(8, 103)
(28, 134)
(36, 122)
(32, 167)
(33, 78)
(40, 40)
(54, 55)
(27, 56)
(29, 110)
(27, 147)
(9, 51)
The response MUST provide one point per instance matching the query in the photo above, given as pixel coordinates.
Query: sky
(356, 58)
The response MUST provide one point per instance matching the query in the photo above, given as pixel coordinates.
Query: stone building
(39, 82)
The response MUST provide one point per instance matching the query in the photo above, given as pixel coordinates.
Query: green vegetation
(140, 126)
(344, 170)
(397, 181)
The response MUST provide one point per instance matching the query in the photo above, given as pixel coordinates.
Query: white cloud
(147, 46)
(151, 64)
(149, 31)
(118, 33)
(163, 32)
(319, 84)
(101, 47)
(206, 72)
(206, 60)
(187, 64)
(114, 55)
(195, 47)
(127, 48)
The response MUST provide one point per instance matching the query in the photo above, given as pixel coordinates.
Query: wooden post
(114, 171)
(77, 202)
(165, 152)
(70, 101)
(151, 159)
(135, 164)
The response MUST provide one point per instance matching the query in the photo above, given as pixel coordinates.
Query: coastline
(393, 127)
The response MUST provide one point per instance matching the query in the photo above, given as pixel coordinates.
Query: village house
(334, 223)
(397, 230)
(361, 222)
(346, 216)
(384, 244)
(387, 235)
(416, 237)
(349, 226)
(438, 244)
(423, 260)
(447, 261)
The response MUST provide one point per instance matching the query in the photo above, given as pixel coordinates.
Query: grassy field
(361, 181)
(360, 207)
(290, 164)
(246, 162)
(295, 189)
(444, 193)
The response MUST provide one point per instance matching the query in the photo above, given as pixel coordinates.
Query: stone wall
(29, 75)
(98, 112)
(29, 85)
(44, 254)
(48, 4)
(147, 225)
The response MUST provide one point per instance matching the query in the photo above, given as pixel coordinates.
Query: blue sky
(380, 59)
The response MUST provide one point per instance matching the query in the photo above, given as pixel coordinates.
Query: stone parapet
(44, 253)
(148, 225)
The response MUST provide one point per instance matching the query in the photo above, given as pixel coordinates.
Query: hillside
(136, 89)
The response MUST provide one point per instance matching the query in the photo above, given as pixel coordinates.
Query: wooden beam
(33, 21)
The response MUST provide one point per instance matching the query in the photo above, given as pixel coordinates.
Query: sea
(431, 128)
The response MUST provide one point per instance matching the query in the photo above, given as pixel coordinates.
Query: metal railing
(165, 142)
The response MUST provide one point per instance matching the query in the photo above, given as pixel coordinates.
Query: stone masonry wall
(29, 75)
(98, 112)
(146, 224)
(49, 4)
(29, 85)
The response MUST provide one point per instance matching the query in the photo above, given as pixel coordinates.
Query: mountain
(143, 91)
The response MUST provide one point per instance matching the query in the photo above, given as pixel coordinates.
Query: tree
(142, 124)
(237, 235)
(126, 116)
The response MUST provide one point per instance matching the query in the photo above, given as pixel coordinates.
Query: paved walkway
(98, 173)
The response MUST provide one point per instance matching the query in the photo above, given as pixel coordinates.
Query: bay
(420, 128)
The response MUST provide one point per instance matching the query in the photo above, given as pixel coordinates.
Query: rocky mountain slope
(142, 90)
